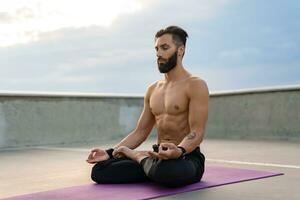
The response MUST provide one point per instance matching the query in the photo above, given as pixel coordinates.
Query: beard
(169, 64)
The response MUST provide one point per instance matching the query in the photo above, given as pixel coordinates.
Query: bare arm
(198, 113)
(144, 125)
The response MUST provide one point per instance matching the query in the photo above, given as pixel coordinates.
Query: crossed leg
(139, 166)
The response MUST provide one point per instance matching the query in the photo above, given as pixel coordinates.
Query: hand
(97, 155)
(118, 152)
(167, 151)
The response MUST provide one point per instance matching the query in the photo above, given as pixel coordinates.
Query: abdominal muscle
(172, 128)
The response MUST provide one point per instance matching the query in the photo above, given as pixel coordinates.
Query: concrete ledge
(134, 95)
(40, 118)
(4, 93)
(286, 88)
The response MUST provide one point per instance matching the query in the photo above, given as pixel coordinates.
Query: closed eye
(163, 47)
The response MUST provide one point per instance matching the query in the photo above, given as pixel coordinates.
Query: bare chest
(170, 100)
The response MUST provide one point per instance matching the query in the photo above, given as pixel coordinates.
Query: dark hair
(179, 35)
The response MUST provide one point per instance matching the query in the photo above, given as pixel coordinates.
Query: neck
(176, 74)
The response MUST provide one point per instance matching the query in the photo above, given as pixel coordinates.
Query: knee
(173, 176)
(97, 173)
(167, 169)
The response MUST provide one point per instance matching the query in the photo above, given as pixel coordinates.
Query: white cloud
(23, 21)
(121, 58)
(93, 57)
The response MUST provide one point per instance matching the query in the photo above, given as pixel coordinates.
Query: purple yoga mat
(213, 176)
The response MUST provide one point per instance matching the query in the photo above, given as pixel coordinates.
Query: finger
(168, 145)
(162, 148)
(115, 152)
(91, 156)
(95, 150)
(90, 161)
(164, 158)
(156, 155)
(118, 155)
(165, 154)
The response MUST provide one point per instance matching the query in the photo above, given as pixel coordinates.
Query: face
(166, 52)
(167, 65)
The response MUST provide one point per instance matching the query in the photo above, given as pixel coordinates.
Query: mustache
(161, 59)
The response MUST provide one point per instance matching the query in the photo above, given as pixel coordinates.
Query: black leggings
(172, 173)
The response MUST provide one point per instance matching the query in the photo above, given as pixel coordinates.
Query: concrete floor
(35, 169)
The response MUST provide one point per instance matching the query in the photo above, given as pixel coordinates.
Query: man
(178, 106)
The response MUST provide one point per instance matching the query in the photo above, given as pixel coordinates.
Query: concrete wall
(58, 118)
(271, 113)
(37, 119)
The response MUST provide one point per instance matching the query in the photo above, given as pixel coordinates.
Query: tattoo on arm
(191, 136)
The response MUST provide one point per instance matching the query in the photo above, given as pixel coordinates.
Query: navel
(176, 107)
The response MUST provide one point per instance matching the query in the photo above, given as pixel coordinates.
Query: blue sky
(109, 47)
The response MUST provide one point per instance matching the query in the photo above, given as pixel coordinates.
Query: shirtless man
(178, 107)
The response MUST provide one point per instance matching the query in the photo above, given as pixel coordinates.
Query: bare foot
(132, 154)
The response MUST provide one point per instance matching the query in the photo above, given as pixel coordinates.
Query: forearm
(132, 140)
(191, 141)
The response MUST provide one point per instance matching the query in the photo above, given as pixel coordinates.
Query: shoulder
(150, 89)
(152, 86)
(196, 85)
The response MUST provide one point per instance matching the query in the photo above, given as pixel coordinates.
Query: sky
(108, 46)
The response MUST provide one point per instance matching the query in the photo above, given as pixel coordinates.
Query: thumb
(95, 150)
(168, 145)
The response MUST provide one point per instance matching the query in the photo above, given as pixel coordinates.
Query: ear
(181, 50)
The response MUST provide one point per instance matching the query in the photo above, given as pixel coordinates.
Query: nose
(158, 54)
